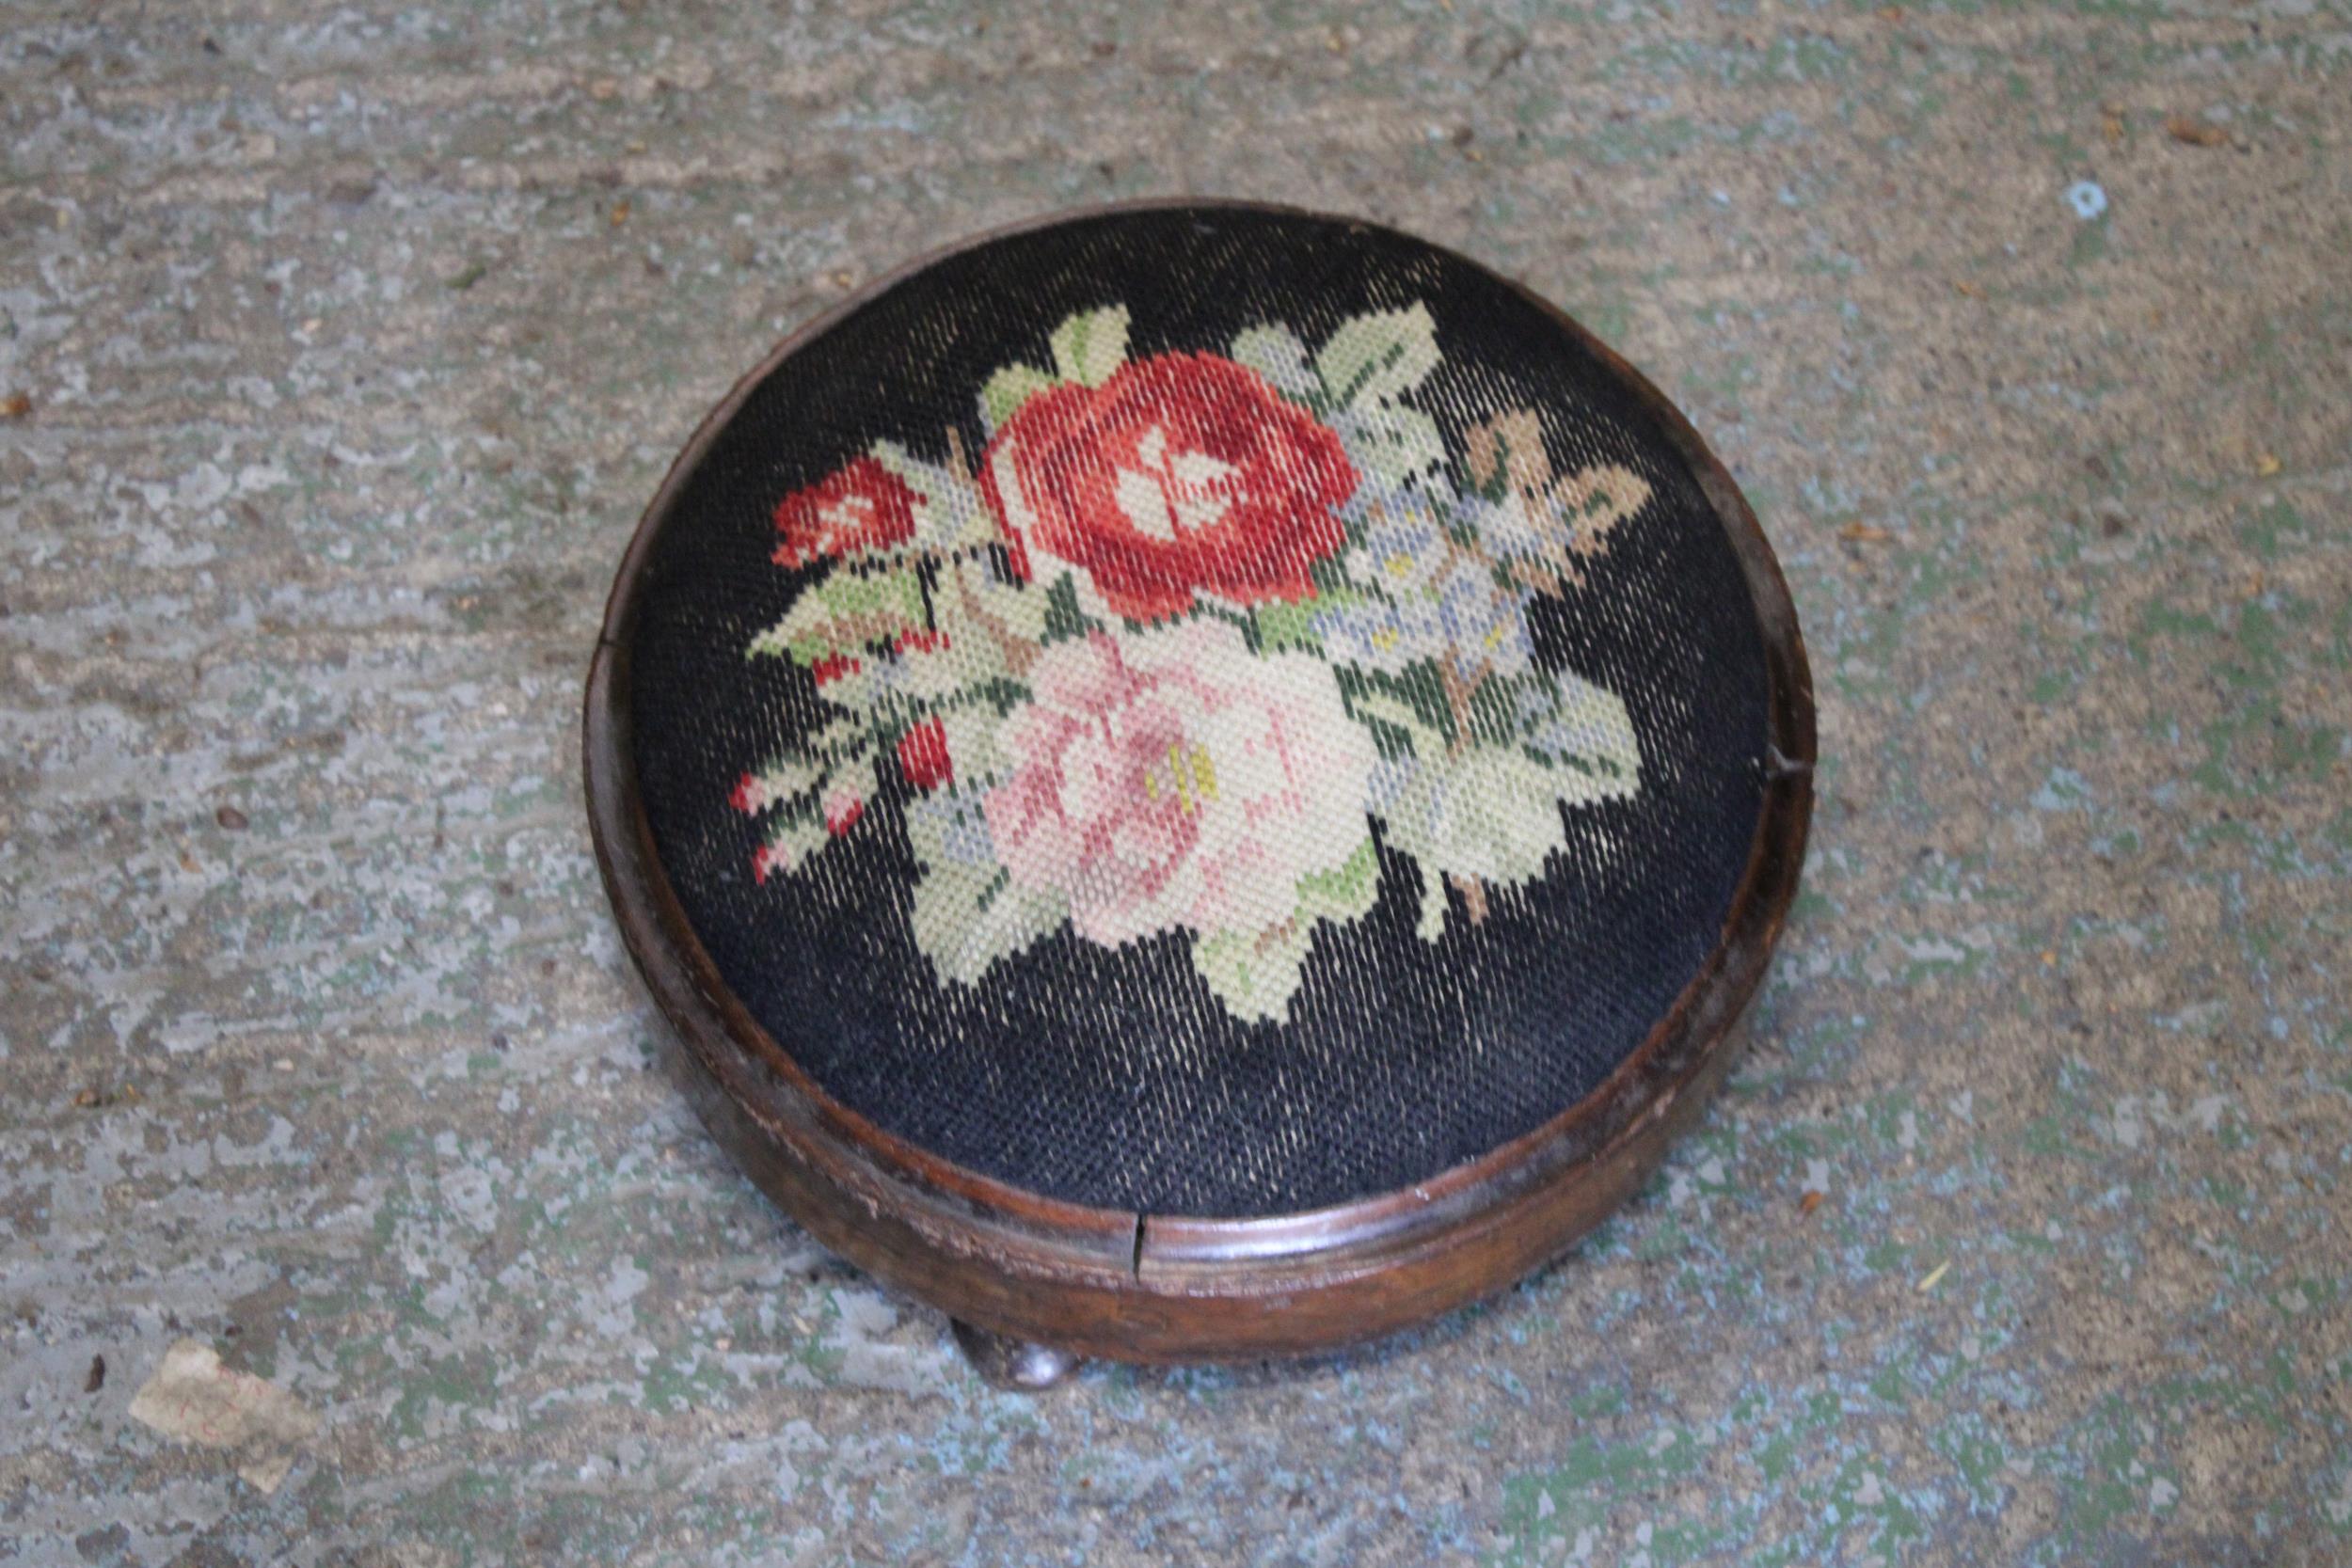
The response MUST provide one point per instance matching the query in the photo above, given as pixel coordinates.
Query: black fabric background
(1113, 1077)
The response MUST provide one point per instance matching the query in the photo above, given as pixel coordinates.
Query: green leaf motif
(844, 738)
(1396, 443)
(949, 512)
(1377, 357)
(981, 613)
(968, 912)
(804, 634)
(1486, 812)
(1255, 973)
(1276, 353)
(1063, 618)
(1007, 390)
(1586, 742)
(844, 611)
(791, 844)
(790, 776)
(889, 601)
(925, 676)
(1282, 623)
(1090, 347)
(1385, 710)
(974, 728)
(1430, 925)
(1343, 893)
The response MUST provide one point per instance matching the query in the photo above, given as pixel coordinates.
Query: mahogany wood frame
(1138, 1287)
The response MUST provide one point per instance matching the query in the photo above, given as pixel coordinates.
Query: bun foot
(1010, 1363)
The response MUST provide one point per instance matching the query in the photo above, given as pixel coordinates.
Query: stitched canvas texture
(1209, 711)
(1160, 654)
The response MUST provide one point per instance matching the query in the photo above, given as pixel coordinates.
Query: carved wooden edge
(1169, 1288)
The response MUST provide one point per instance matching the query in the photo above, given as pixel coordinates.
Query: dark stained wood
(1110, 1283)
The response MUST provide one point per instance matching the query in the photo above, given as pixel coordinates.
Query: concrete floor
(351, 338)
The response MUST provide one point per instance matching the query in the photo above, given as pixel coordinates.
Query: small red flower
(1180, 474)
(832, 667)
(922, 756)
(861, 506)
(842, 810)
(919, 643)
(764, 859)
(748, 797)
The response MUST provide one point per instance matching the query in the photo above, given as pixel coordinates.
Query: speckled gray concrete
(354, 340)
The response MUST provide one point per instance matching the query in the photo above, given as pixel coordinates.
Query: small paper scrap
(194, 1398)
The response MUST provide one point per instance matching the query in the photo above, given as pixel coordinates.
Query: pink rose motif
(1173, 779)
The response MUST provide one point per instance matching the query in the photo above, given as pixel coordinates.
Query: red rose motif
(861, 506)
(922, 756)
(1180, 474)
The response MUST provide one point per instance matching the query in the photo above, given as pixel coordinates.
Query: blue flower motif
(1380, 635)
(1405, 544)
(1515, 526)
(1483, 622)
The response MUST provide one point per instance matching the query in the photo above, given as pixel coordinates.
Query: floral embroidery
(1160, 658)
(863, 507)
(1181, 475)
(1169, 780)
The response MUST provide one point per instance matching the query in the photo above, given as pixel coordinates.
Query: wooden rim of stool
(1129, 1286)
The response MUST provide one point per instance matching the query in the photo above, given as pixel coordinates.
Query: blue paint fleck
(2087, 199)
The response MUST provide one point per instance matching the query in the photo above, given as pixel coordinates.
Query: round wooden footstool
(1198, 781)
